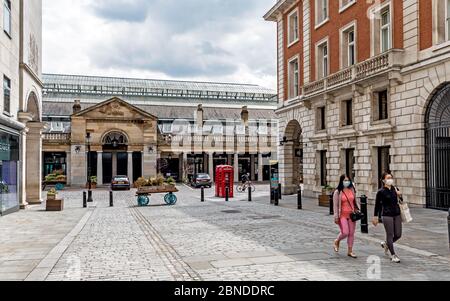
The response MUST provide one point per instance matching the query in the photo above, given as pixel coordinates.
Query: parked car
(201, 180)
(120, 182)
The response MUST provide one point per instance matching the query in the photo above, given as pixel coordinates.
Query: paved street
(214, 240)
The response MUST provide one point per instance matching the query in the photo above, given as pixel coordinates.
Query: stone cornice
(279, 7)
(30, 71)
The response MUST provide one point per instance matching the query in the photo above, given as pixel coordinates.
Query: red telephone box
(224, 178)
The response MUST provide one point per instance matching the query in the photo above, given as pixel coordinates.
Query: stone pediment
(115, 108)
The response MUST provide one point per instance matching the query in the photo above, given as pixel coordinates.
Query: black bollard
(84, 199)
(90, 200)
(277, 194)
(227, 194)
(280, 194)
(111, 199)
(299, 199)
(272, 196)
(249, 194)
(365, 219)
(202, 194)
(448, 221)
(331, 205)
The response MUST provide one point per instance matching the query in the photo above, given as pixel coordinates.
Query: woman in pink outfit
(345, 203)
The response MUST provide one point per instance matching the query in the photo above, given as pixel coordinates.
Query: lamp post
(88, 142)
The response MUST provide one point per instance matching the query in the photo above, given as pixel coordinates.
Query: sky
(204, 40)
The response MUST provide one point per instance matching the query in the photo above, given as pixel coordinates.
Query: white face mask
(347, 184)
(389, 182)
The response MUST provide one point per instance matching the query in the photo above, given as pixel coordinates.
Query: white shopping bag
(406, 214)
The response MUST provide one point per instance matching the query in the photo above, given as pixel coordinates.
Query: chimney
(200, 116)
(77, 106)
(244, 115)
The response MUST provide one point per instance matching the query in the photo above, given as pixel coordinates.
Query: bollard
(299, 199)
(331, 205)
(272, 196)
(84, 199)
(249, 194)
(227, 194)
(202, 194)
(111, 199)
(365, 219)
(90, 200)
(280, 195)
(448, 222)
(276, 197)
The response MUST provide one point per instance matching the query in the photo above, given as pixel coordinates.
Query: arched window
(115, 139)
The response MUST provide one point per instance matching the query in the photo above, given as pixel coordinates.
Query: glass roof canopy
(92, 85)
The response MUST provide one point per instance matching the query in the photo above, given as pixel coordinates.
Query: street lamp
(88, 143)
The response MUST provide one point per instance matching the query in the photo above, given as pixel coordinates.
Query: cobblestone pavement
(214, 240)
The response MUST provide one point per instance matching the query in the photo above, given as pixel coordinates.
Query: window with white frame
(385, 28)
(7, 17)
(322, 60)
(346, 3)
(348, 53)
(293, 27)
(321, 11)
(294, 78)
(441, 21)
(381, 29)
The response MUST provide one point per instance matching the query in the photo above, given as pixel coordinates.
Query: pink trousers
(347, 231)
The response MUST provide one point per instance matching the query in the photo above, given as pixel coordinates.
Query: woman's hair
(385, 174)
(341, 183)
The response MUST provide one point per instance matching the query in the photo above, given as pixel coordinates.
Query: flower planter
(324, 200)
(55, 204)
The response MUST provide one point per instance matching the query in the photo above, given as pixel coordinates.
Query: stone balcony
(59, 138)
(386, 64)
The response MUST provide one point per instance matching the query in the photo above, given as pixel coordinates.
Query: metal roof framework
(92, 85)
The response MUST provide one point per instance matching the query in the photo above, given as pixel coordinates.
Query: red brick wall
(425, 24)
(331, 29)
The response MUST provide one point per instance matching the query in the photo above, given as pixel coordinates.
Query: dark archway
(437, 143)
(292, 167)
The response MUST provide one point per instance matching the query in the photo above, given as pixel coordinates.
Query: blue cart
(143, 195)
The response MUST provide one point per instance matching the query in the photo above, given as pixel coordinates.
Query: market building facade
(149, 127)
(20, 104)
(364, 88)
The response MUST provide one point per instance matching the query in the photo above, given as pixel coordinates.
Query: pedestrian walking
(345, 204)
(387, 211)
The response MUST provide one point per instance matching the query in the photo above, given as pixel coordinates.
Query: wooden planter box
(157, 189)
(324, 200)
(55, 204)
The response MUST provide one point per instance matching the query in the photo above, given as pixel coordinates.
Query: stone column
(34, 163)
(130, 166)
(236, 168)
(78, 165)
(211, 165)
(114, 164)
(149, 162)
(260, 167)
(252, 167)
(22, 171)
(185, 165)
(99, 168)
(68, 168)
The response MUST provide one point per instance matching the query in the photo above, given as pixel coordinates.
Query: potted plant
(53, 202)
(324, 198)
(93, 182)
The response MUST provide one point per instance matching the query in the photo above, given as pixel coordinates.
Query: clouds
(213, 40)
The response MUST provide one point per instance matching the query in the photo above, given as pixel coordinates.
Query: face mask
(389, 182)
(347, 184)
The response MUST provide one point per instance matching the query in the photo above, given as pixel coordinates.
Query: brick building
(363, 88)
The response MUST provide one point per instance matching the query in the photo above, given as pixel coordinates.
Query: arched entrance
(437, 137)
(115, 154)
(292, 158)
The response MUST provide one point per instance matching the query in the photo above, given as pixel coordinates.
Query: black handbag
(356, 215)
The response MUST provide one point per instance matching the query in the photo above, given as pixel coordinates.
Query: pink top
(347, 199)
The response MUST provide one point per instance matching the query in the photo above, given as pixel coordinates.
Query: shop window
(9, 184)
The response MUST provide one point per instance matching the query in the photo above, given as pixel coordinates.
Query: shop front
(9, 180)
